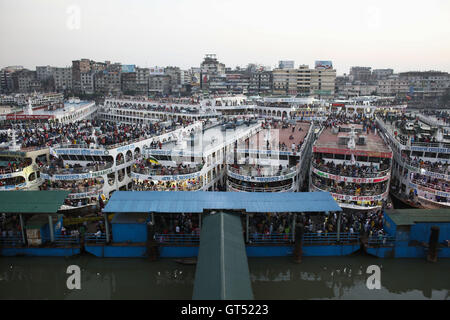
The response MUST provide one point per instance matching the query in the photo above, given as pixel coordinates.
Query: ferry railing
(177, 238)
(381, 241)
(365, 193)
(11, 241)
(75, 170)
(252, 171)
(94, 238)
(326, 169)
(434, 186)
(330, 238)
(258, 189)
(62, 240)
(167, 171)
(273, 238)
(80, 189)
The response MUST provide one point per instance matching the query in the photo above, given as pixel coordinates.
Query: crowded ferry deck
(195, 160)
(421, 144)
(351, 160)
(273, 160)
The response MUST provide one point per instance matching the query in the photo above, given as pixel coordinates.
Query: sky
(403, 35)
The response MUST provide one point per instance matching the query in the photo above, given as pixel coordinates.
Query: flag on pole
(53, 152)
(152, 160)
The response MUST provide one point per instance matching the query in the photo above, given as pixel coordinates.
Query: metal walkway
(222, 269)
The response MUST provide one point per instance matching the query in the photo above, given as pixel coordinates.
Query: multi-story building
(6, 80)
(393, 86)
(129, 85)
(427, 85)
(142, 75)
(87, 82)
(78, 67)
(24, 80)
(260, 82)
(159, 84)
(238, 82)
(211, 65)
(286, 64)
(356, 90)
(62, 78)
(380, 74)
(323, 79)
(44, 72)
(363, 74)
(175, 79)
(292, 81)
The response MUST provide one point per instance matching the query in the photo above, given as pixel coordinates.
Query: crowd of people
(438, 166)
(79, 186)
(430, 182)
(160, 108)
(84, 132)
(351, 170)
(281, 224)
(145, 166)
(351, 189)
(57, 165)
(10, 165)
(440, 115)
(181, 185)
(255, 170)
(177, 224)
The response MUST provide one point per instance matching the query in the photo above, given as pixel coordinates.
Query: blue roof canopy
(197, 202)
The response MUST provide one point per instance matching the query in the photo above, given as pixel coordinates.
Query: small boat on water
(187, 261)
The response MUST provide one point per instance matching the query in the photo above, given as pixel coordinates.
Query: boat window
(362, 158)
(430, 155)
(444, 155)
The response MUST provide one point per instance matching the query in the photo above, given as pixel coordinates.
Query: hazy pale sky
(398, 34)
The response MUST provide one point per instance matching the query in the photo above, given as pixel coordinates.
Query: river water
(272, 278)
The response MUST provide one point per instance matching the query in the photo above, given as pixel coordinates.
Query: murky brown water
(272, 278)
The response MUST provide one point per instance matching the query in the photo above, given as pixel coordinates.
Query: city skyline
(154, 34)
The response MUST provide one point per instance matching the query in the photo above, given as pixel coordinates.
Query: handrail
(381, 241)
(256, 189)
(308, 238)
(62, 239)
(11, 241)
(177, 238)
(325, 169)
(92, 237)
(75, 170)
(253, 172)
(325, 188)
(160, 172)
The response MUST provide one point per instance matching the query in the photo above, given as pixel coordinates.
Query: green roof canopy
(32, 202)
(403, 217)
(222, 269)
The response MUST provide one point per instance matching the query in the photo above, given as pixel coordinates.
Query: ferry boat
(275, 159)
(421, 144)
(353, 162)
(194, 160)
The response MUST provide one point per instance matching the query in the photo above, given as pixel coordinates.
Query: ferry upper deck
(353, 162)
(193, 160)
(273, 159)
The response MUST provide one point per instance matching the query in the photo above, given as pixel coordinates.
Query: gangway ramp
(222, 268)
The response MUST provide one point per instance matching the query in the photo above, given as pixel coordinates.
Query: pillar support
(50, 225)
(106, 227)
(22, 228)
